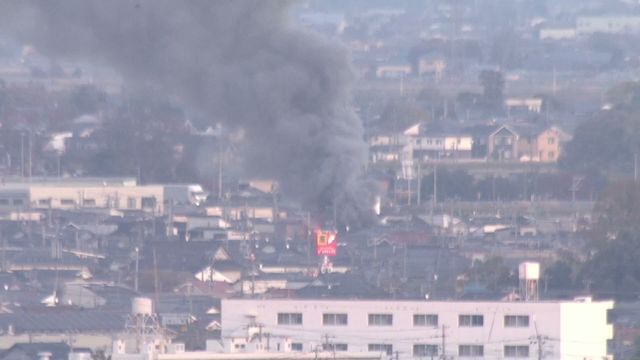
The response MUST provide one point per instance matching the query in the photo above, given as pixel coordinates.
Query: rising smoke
(238, 61)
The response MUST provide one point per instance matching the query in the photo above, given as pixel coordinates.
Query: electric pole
(444, 344)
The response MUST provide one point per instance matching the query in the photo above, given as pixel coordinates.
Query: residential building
(503, 144)
(399, 329)
(540, 144)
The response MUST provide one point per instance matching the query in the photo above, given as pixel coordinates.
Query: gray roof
(62, 320)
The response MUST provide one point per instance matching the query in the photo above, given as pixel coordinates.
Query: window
(516, 321)
(148, 202)
(422, 350)
(425, 320)
(67, 202)
(551, 141)
(4, 201)
(383, 348)
(131, 203)
(551, 155)
(289, 319)
(18, 202)
(296, 346)
(44, 202)
(89, 202)
(335, 347)
(380, 319)
(470, 320)
(516, 351)
(334, 319)
(470, 350)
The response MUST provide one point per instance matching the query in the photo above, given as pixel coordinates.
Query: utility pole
(539, 340)
(434, 198)
(219, 161)
(156, 285)
(21, 154)
(409, 189)
(419, 199)
(135, 280)
(444, 344)
(635, 167)
(404, 264)
(30, 146)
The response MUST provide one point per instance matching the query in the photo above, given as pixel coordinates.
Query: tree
(606, 143)
(87, 99)
(560, 275)
(613, 269)
(493, 273)
(493, 89)
(399, 115)
(457, 184)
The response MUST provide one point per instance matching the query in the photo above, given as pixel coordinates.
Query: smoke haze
(241, 63)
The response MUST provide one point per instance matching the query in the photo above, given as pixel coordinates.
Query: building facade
(429, 329)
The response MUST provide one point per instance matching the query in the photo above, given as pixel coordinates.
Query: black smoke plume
(239, 61)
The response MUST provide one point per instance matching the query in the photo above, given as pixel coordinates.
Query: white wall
(104, 196)
(546, 317)
(582, 334)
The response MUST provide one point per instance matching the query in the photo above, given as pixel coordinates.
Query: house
(502, 144)
(540, 144)
(386, 147)
(216, 289)
(425, 144)
(480, 139)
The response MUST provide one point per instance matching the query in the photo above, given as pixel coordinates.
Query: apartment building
(399, 329)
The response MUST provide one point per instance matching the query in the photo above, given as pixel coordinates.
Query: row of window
(146, 202)
(431, 320)
(17, 202)
(424, 350)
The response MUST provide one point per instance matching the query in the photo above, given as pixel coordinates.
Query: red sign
(326, 243)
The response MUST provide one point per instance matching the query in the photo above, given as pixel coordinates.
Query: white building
(424, 329)
(94, 193)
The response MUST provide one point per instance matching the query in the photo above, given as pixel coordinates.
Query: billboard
(326, 243)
